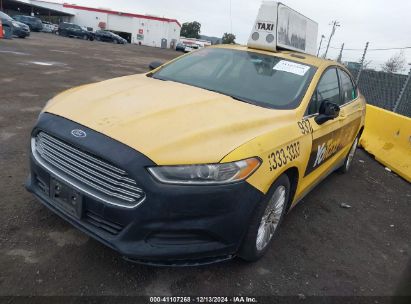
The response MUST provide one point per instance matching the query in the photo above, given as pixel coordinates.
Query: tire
(254, 245)
(349, 158)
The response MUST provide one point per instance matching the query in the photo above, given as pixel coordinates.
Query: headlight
(212, 174)
(15, 24)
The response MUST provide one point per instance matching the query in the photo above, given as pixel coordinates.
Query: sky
(385, 24)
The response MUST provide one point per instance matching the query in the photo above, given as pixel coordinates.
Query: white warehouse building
(136, 28)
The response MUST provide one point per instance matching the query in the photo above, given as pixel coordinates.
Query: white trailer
(278, 26)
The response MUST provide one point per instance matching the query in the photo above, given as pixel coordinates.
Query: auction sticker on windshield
(291, 67)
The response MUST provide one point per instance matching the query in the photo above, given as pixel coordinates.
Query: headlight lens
(206, 174)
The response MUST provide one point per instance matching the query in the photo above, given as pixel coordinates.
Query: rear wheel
(265, 221)
(350, 157)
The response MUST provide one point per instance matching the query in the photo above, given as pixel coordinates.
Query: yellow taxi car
(200, 159)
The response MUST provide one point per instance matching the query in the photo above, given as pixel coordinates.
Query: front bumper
(175, 223)
(21, 32)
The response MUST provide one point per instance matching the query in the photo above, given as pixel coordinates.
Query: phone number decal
(283, 156)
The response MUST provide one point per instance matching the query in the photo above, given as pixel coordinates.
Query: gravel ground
(322, 248)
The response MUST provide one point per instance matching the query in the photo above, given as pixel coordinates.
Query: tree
(191, 30)
(228, 38)
(395, 64)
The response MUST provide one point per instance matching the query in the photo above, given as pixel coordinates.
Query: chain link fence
(388, 90)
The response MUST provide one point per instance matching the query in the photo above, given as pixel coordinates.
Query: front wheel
(265, 221)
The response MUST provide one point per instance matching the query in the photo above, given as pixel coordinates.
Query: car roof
(25, 16)
(286, 54)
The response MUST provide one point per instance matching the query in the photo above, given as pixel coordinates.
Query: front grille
(86, 172)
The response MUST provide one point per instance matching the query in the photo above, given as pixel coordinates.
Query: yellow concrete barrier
(387, 136)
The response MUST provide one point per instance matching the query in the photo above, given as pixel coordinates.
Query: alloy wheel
(271, 218)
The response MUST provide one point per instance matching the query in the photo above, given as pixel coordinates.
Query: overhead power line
(382, 49)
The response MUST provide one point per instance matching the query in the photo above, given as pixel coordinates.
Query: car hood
(169, 122)
(23, 25)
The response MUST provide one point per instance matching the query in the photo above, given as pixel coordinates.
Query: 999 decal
(305, 126)
(283, 156)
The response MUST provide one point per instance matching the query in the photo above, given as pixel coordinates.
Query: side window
(327, 89)
(348, 91)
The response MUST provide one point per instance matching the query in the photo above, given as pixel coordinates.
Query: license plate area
(66, 198)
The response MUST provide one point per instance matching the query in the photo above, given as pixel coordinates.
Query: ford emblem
(78, 133)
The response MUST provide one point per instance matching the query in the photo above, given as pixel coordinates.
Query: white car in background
(190, 48)
(49, 27)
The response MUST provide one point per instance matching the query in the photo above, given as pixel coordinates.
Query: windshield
(260, 79)
(5, 16)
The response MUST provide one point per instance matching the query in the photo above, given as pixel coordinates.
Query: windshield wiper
(235, 97)
(242, 99)
(151, 75)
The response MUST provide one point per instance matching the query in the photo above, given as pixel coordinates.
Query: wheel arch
(293, 175)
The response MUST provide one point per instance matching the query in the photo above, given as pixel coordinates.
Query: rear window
(260, 79)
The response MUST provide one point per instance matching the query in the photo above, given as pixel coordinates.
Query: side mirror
(154, 65)
(328, 111)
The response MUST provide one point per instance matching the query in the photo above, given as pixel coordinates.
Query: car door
(351, 108)
(325, 137)
(69, 30)
(103, 36)
(107, 37)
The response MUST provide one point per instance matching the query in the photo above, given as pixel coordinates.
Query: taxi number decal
(305, 127)
(283, 156)
(326, 146)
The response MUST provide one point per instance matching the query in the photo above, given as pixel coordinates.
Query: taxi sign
(278, 26)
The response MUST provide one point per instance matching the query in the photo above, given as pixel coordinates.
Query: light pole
(335, 25)
(321, 42)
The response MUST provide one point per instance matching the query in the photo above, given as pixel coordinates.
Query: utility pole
(361, 63)
(231, 18)
(335, 25)
(321, 42)
(404, 88)
(1, 5)
(341, 51)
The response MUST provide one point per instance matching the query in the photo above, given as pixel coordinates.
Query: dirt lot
(322, 249)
